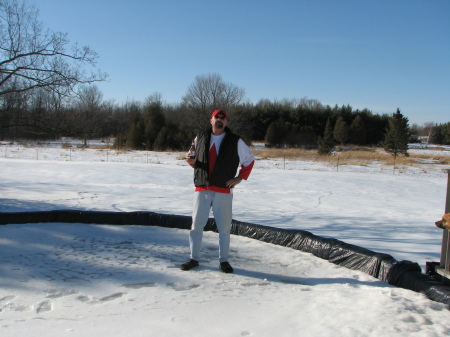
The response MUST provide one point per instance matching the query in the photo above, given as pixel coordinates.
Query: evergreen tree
(446, 134)
(154, 122)
(358, 131)
(442, 134)
(170, 137)
(161, 141)
(135, 135)
(326, 143)
(396, 139)
(276, 134)
(341, 130)
(120, 142)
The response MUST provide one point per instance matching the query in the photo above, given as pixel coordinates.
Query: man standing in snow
(219, 152)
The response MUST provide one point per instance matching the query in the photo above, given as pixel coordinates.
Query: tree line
(155, 125)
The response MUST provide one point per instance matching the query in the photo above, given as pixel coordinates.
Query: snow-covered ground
(82, 280)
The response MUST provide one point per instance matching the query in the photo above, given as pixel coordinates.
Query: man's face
(219, 122)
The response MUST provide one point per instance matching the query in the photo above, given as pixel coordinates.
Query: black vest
(226, 164)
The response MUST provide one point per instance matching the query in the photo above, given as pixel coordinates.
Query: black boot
(226, 267)
(189, 264)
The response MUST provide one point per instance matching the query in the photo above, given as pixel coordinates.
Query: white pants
(221, 205)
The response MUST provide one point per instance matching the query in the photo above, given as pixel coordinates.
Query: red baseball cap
(216, 112)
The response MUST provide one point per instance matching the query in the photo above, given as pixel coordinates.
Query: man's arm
(247, 160)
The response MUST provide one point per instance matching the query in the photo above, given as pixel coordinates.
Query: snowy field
(85, 280)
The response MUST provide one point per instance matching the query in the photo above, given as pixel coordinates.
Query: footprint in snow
(44, 307)
(182, 287)
(55, 293)
(94, 300)
(18, 307)
(140, 285)
(111, 297)
(7, 298)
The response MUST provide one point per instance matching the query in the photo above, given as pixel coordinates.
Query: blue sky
(381, 54)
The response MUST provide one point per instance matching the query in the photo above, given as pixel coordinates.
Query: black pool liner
(404, 274)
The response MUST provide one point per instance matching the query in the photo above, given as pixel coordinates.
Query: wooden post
(444, 268)
(445, 253)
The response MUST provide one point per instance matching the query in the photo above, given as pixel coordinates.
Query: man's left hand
(233, 182)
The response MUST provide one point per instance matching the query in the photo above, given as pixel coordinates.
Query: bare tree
(89, 98)
(87, 117)
(430, 129)
(311, 104)
(33, 57)
(153, 99)
(209, 92)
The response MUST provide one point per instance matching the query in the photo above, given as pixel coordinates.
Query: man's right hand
(189, 160)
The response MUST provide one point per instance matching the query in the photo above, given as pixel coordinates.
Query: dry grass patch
(354, 156)
(292, 154)
(357, 155)
(435, 158)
